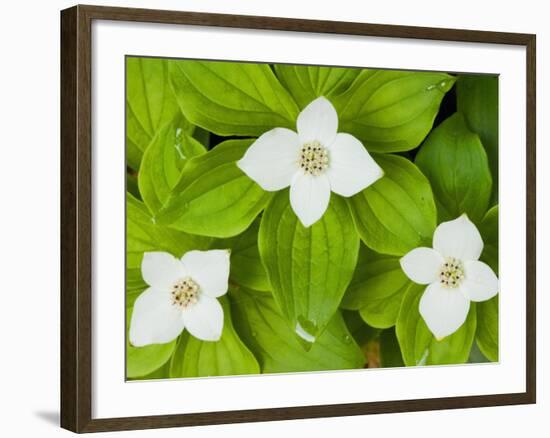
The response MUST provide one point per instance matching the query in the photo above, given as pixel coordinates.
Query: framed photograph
(268, 218)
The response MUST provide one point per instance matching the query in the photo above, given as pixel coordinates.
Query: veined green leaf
(213, 196)
(267, 333)
(141, 361)
(228, 356)
(377, 288)
(142, 235)
(477, 99)
(391, 110)
(487, 311)
(453, 159)
(246, 266)
(232, 98)
(309, 269)
(419, 346)
(150, 104)
(306, 83)
(163, 162)
(489, 232)
(397, 213)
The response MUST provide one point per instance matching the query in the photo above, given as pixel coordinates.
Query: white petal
(480, 282)
(318, 121)
(154, 319)
(309, 197)
(272, 160)
(204, 319)
(161, 270)
(210, 269)
(351, 168)
(443, 309)
(422, 265)
(458, 238)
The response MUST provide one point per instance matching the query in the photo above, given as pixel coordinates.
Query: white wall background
(29, 231)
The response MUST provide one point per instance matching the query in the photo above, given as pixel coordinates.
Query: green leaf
(141, 361)
(267, 333)
(453, 159)
(309, 269)
(419, 346)
(477, 99)
(487, 328)
(142, 235)
(163, 162)
(232, 98)
(213, 196)
(132, 185)
(306, 83)
(228, 356)
(150, 104)
(489, 232)
(397, 213)
(376, 289)
(390, 354)
(487, 311)
(246, 266)
(391, 110)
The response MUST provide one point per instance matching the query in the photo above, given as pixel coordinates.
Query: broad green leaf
(150, 104)
(419, 346)
(361, 332)
(376, 289)
(142, 235)
(163, 162)
(487, 311)
(309, 269)
(453, 159)
(397, 213)
(213, 196)
(266, 332)
(246, 266)
(306, 83)
(390, 353)
(489, 232)
(141, 361)
(232, 98)
(477, 99)
(228, 356)
(391, 110)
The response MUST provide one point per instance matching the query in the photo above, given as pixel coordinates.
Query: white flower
(181, 294)
(313, 162)
(453, 273)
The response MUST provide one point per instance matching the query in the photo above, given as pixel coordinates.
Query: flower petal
(210, 269)
(458, 238)
(318, 121)
(204, 319)
(272, 160)
(154, 319)
(309, 197)
(443, 309)
(422, 265)
(351, 168)
(480, 282)
(161, 269)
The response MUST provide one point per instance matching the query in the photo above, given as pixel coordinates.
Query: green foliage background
(434, 134)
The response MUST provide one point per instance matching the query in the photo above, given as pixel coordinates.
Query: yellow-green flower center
(451, 273)
(313, 158)
(185, 292)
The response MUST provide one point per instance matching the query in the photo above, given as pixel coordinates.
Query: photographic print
(295, 218)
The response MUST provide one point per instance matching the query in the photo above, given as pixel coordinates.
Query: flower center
(313, 158)
(451, 273)
(185, 292)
